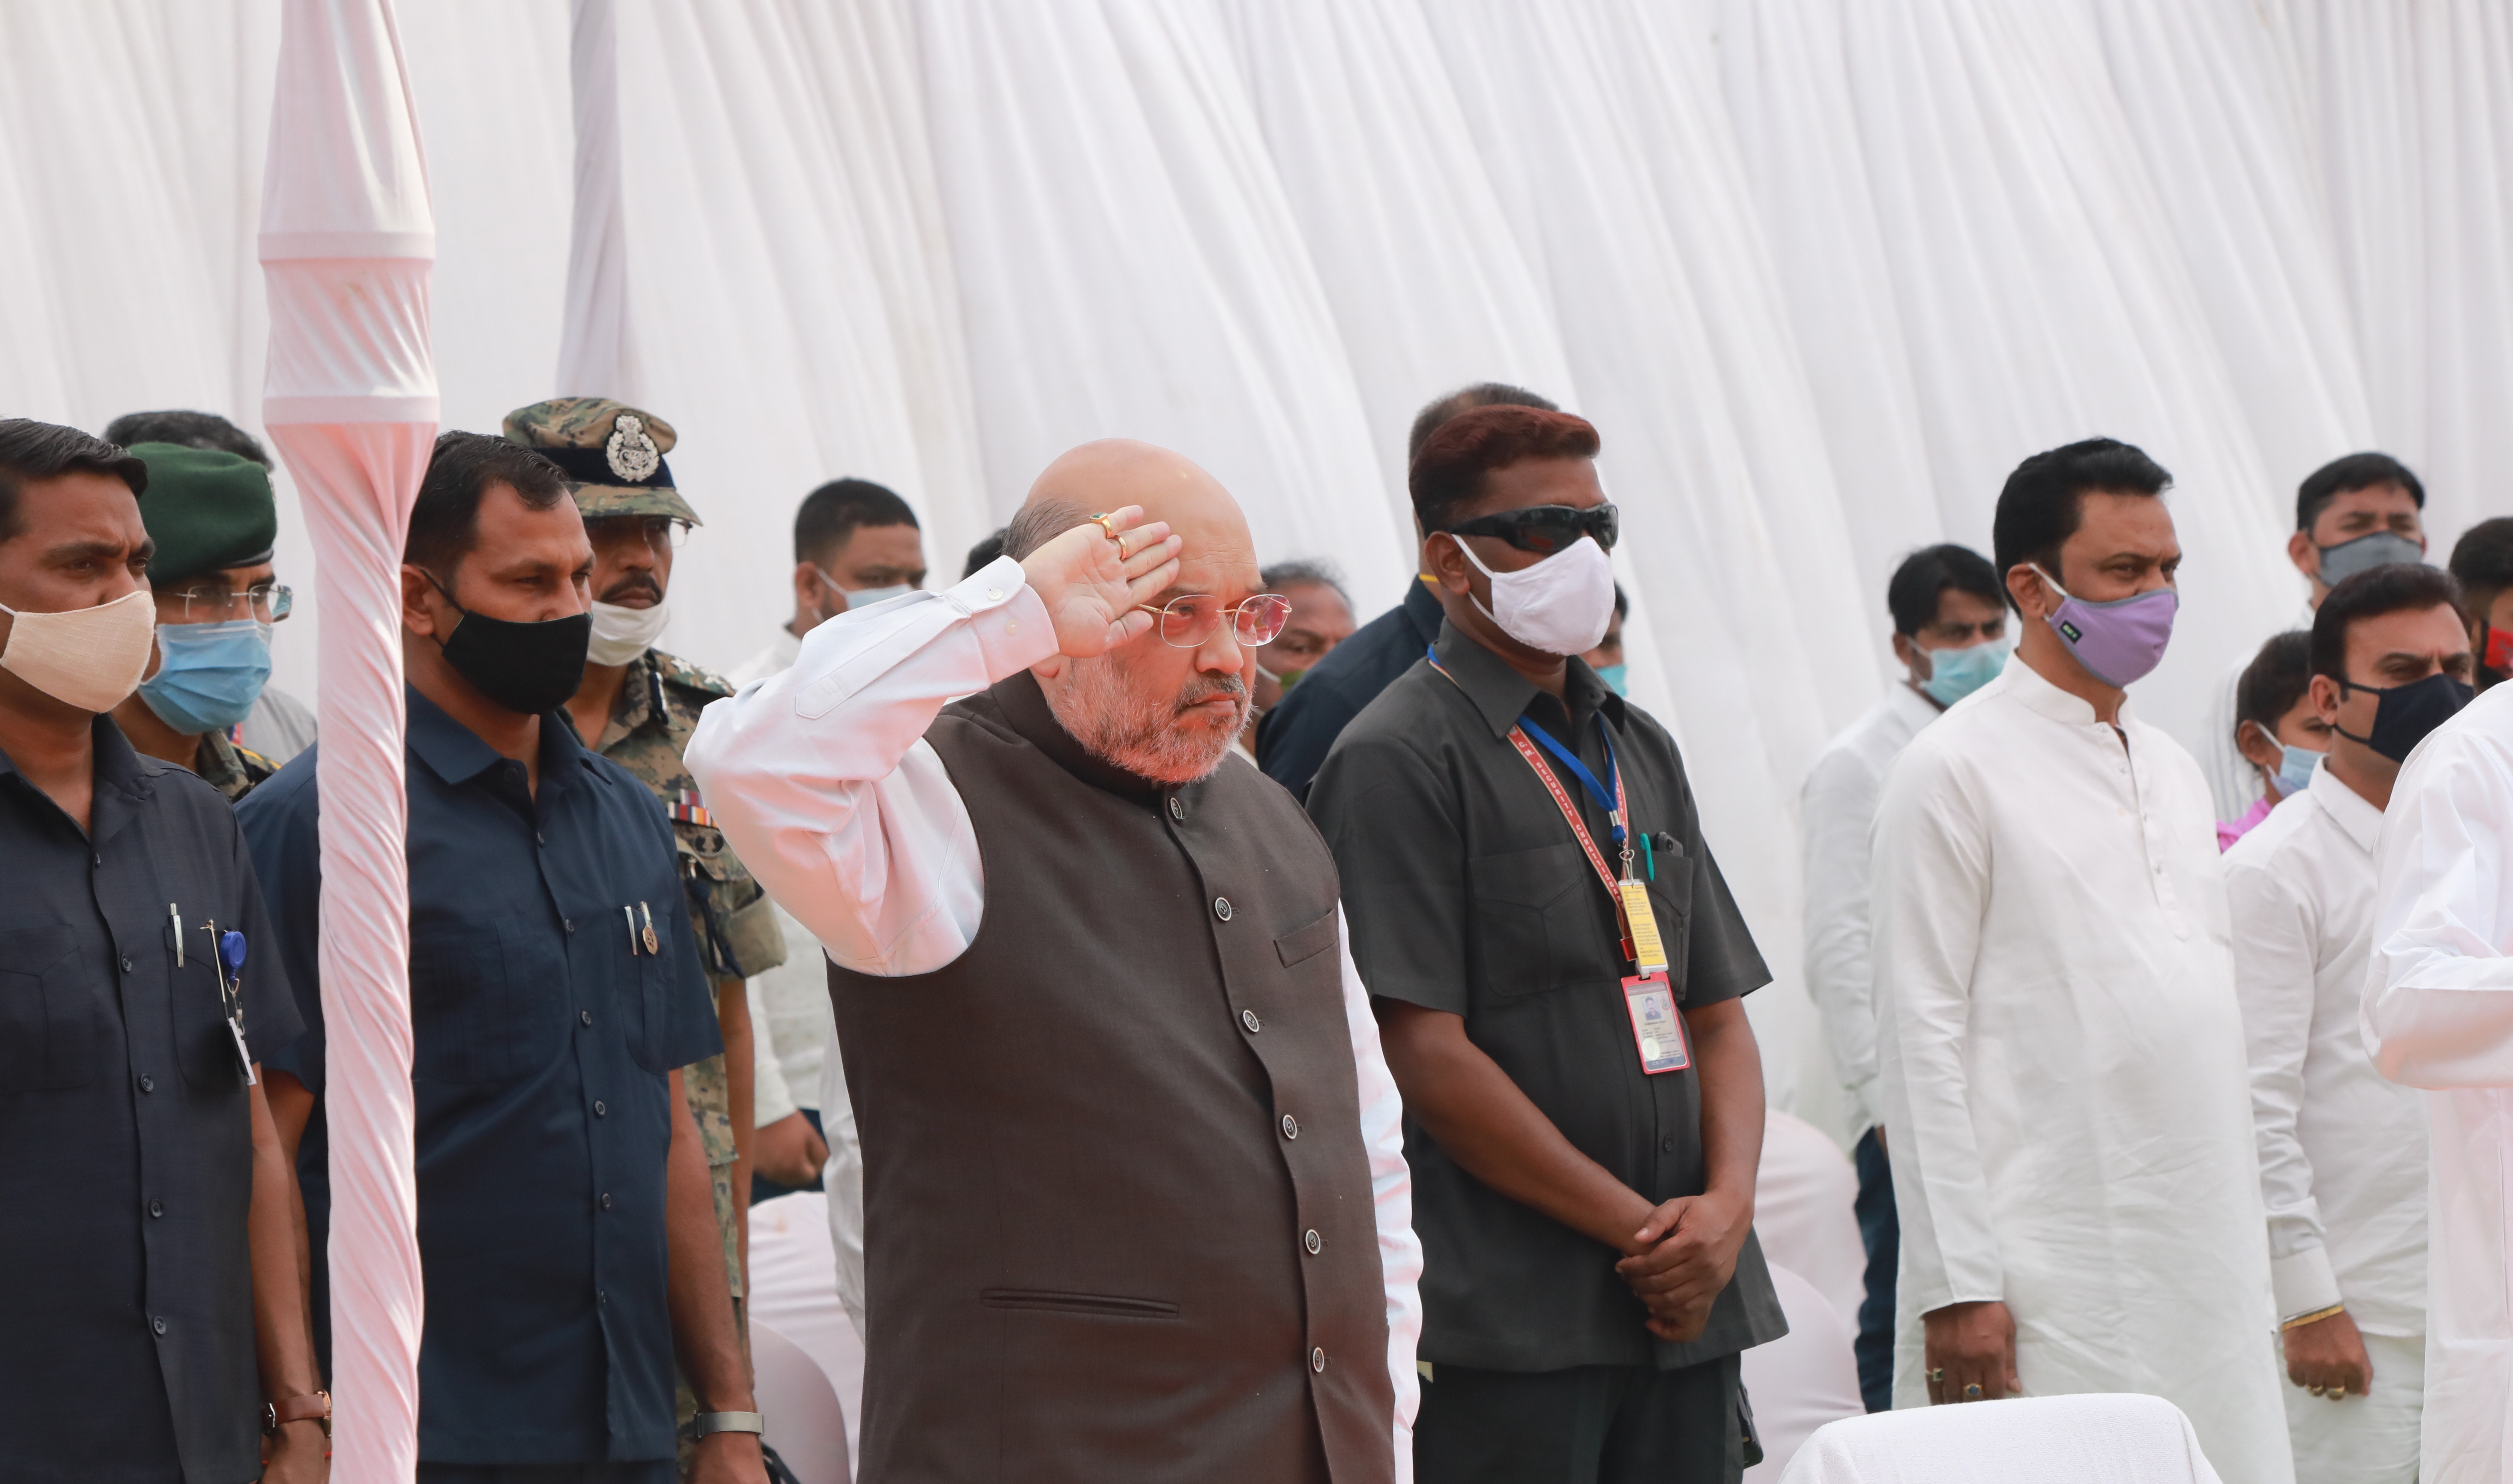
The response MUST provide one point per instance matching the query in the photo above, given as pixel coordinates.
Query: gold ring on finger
(1936, 1377)
(1972, 1392)
(1101, 520)
(1122, 553)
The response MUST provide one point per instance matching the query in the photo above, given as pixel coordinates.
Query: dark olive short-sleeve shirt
(1467, 892)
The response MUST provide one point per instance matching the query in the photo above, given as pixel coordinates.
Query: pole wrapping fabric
(349, 398)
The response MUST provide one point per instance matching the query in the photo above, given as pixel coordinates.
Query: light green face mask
(1954, 674)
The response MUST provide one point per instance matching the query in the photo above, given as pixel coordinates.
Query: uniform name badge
(1657, 1028)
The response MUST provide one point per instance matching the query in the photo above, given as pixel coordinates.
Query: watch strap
(706, 1423)
(313, 1405)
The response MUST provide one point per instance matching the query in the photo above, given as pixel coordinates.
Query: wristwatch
(296, 1409)
(706, 1423)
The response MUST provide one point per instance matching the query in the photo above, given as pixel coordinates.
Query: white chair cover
(806, 1425)
(794, 1291)
(1799, 1381)
(2102, 1438)
(1805, 1199)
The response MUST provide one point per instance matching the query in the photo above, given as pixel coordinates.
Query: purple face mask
(2118, 642)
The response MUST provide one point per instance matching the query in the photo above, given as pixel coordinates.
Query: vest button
(158, 1324)
(1291, 1127)
(606, 1200)
(1222, 908)
(1318, 1360)
(1313, 1242)
(601, 1110)
(1248, 1017)
(1177, 811)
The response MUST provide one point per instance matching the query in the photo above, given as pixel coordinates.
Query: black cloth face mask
(528, 668)
(2406, 713)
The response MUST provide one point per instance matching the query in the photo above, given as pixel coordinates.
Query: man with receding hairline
(1133, 1196)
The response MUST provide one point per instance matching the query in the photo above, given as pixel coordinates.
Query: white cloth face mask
(622, 634)
(88, 658)
(1560, 605)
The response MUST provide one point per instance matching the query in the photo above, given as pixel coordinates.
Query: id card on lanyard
(1648, 995)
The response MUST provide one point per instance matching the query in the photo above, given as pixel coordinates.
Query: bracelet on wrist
(2315, 1317)
(312, 1407)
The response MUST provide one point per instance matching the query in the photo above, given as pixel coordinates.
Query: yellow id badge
(1647, 953)
(1657, 1028)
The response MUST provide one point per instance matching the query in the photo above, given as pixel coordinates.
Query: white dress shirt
(2343, 1150)
(2438, 1015)
(2062, 1064)
(1835, 810)
(776, 659)
(823, 780)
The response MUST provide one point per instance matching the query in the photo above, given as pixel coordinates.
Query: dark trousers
(1882, 1230)
(1591, 1425)
(644, 1471)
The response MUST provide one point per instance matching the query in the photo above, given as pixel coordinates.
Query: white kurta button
(994, 594)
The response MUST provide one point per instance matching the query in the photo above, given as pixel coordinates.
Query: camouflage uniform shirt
(229, 768)
(730, 918)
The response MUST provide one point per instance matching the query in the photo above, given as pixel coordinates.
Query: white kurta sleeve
(2274, 979)
(1837, 806)
(842, 1179)
(2439, 997)
(823, 781)
(1391, 1191)
(770, 1099)
(1929, 884)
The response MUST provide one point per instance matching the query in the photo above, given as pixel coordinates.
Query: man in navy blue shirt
(1294, 737)
(566, 1224)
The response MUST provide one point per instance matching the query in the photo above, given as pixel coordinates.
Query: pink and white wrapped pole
(347, 243)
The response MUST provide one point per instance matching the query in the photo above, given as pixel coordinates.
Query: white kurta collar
(2354, 813)
(2036, 694)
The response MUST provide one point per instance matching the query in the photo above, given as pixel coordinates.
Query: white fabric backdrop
(1823, 270)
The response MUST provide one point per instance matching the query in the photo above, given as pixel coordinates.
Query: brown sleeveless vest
(1117, 1208)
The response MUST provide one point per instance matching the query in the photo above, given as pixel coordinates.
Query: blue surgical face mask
(2294, 769)
(1954, 674)
(1614, 676)
(211, 675)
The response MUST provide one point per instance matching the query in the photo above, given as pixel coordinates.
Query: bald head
(1218, 556)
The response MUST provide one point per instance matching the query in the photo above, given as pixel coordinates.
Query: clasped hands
(1681, 1259)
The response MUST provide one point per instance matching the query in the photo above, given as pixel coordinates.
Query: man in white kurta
(2438, 1015)
(2063, 1076)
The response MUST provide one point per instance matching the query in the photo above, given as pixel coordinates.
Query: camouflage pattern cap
(612, 455)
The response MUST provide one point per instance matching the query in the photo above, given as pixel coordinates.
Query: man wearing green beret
(213, 518)
(637, 706)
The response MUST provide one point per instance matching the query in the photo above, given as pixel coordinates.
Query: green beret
(612, 455)
(207, 510)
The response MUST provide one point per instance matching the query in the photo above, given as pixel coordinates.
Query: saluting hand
(1091, 592)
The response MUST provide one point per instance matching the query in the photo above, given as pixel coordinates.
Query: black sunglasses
(1547, 529)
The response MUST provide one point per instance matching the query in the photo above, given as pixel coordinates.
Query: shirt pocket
(1670, 897)
(197, 1006)
(484, 1007)
(1534, 930)
(48, 1019)
(645, 984)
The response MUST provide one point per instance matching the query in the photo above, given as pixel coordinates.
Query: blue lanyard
(1599, 793)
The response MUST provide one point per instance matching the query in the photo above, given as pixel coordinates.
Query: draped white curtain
(1822, 271)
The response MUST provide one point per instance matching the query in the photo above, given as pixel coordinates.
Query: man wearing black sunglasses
(1556, 967)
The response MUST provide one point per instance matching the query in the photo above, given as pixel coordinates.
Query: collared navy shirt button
(126, 963)
(158, 1323)
(1222, 908)
(1291, 1127)
(601, 1110)
(601, 1295)
(568, 923)
(1666, 1146)
(156, 1208)
(586, 1016)
(147, 1083)
(606, 1200)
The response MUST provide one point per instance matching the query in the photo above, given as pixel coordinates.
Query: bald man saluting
(1135, 1202)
